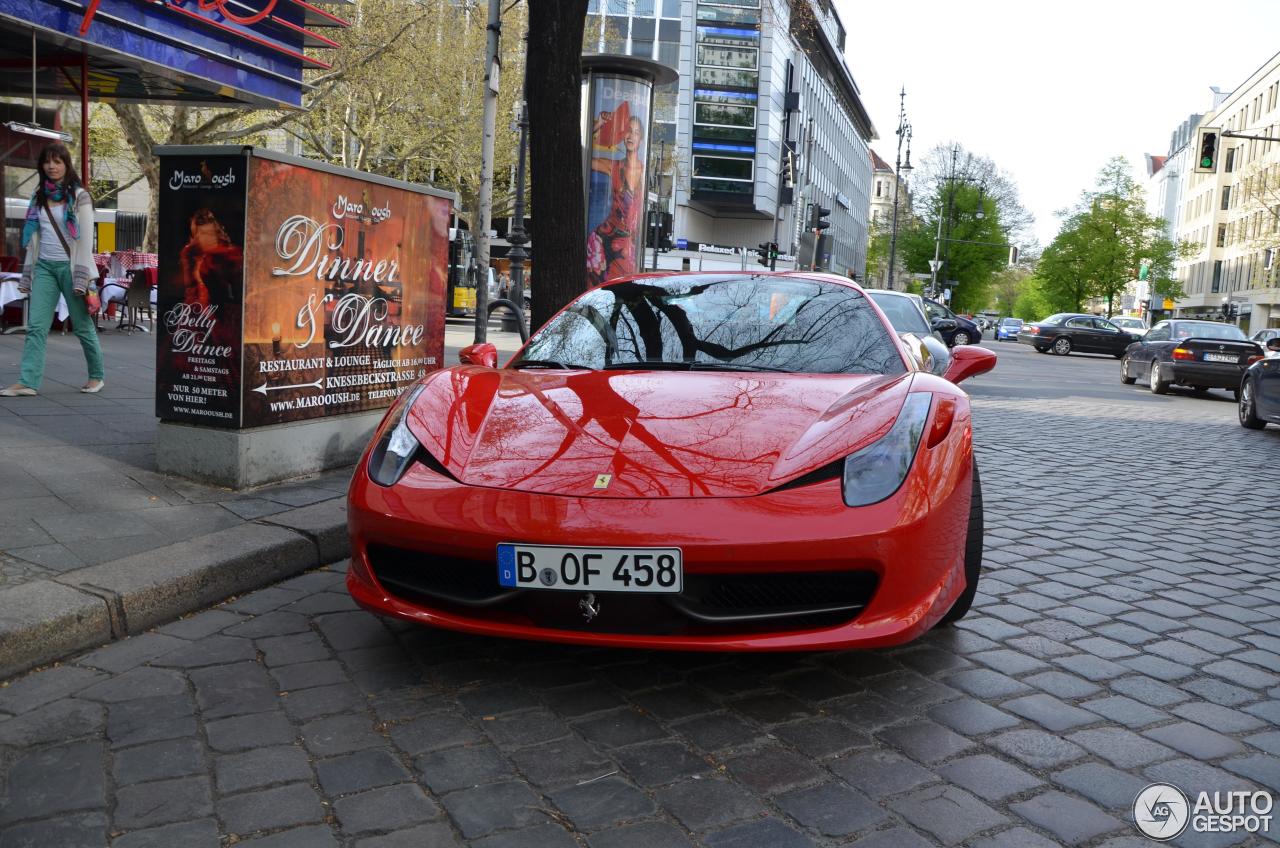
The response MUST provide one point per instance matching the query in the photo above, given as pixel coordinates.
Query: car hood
(655, 434)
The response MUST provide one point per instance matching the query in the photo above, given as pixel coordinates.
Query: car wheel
(1159, 386)
(972, 555)
(1062, 346)
(960, 338)
(1248, 415)
(1125, 377)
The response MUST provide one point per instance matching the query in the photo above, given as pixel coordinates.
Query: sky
(1050, 90)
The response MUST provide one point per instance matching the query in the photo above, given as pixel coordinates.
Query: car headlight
(396, 447)
(875, 472)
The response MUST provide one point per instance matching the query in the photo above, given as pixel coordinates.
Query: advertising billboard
(340, 299)
(616, 180)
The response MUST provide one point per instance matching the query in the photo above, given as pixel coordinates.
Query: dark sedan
(1200, 354)
(954, 329)
(1073, 332)
(1260, 390)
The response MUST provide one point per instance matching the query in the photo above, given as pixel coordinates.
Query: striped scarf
(57, 193)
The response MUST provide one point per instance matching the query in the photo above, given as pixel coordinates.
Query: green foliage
(1103, 242)
(972, 265)
(1034, 301)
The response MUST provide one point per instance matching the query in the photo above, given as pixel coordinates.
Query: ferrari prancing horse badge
(602, 480)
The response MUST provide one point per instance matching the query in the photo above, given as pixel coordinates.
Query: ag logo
(1161, 811)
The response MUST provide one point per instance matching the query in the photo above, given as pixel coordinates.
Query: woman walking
(58, 237)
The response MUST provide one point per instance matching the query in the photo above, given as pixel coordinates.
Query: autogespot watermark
(1163, 811)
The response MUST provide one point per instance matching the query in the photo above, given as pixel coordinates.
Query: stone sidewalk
(94, 542)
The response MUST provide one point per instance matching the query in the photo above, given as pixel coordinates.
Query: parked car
(954, 329)
(1200, 354)
(721, 461)
(1265, 335)
(1259, 402)
(1136, 326)
(1008, 328)
(1068, 332)
(905, 312)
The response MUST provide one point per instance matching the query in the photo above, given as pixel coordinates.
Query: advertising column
(618, 103)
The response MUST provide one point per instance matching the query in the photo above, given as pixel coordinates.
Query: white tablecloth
(9, 293)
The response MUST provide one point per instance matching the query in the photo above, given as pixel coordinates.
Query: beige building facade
(1233, 215)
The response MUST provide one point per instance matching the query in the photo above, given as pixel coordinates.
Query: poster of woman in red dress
(616, 190)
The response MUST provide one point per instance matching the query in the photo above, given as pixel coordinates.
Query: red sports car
(690, 461)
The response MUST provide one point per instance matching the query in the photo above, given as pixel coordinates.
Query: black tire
(1124, 372)
(972, 555)
(961, 338)
(1248, 414)
(1158, 385)
(1061, 346)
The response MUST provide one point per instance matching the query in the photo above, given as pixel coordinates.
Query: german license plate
(1221, 357)
(646, 570)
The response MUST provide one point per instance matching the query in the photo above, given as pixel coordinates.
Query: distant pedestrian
(58, 238)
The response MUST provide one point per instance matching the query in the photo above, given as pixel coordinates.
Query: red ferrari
(693, 461)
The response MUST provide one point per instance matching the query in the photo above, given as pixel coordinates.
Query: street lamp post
(903, 132)
(517, 236)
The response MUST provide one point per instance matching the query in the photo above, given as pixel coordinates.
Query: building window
(1222, 235)
(722, 114)
(1226, 197)
(670, 8)
(727, 57)
(1230, 165)
(727, 16)
(724, 168)
(726, 77)
(1217, 276)
(729, 36)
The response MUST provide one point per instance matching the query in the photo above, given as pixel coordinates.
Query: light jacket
(83, 268)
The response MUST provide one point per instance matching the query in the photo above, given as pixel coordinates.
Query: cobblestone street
(1126, 631)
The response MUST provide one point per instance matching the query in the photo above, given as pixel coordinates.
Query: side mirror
(969, 361)
(939, 359)
(484, 354)
(944, 324)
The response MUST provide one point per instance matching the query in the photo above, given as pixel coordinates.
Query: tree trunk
(559, 267)
(141, 143)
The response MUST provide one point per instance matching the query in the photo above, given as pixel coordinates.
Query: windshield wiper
(551, 363)
(668, 365)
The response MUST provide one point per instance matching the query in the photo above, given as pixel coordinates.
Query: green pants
(48, 280)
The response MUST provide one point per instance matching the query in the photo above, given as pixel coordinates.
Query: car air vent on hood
(830, 471)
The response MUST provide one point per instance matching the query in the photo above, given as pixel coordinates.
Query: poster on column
(200, 289)
(616, 192)
(345, 282)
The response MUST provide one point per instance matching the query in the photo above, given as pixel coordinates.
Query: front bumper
(905, 554)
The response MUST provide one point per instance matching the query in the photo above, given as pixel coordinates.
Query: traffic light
(789, 170)
(763, 248)
(818, 217)
(1013, 254)
(1207, 150)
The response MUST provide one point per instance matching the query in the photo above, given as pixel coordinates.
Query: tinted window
(1011, 322)
(1105, 325)
(1159, 333)
(1207, 330)
(1056, 318)
(902, 313)
(739, 323)
(1086, 323)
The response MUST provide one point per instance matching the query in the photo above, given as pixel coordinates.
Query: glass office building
(757, 90)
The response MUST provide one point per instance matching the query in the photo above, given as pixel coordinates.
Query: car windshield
(717, 322)
(902, 313)
(1207, 330)
(1057, 318)
(1011, 322)
(1132, 323)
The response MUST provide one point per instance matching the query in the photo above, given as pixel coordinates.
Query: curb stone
(46, 620)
